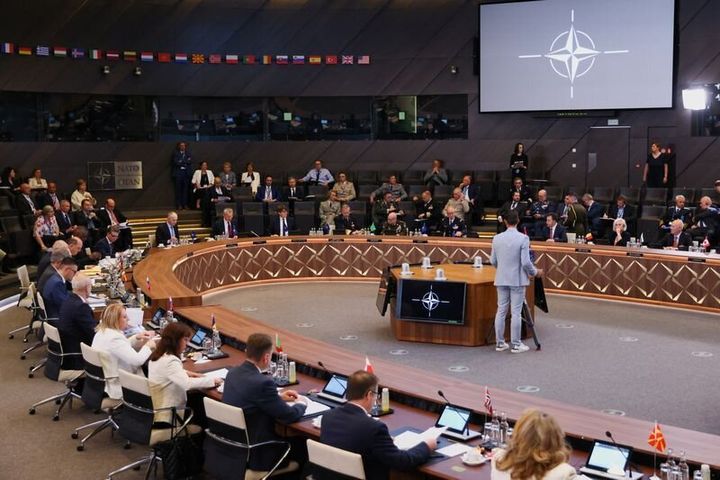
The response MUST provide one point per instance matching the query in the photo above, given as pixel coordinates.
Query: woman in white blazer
(250, 177)
(120, 352)
(169, 381)
(537, 451)
(202, 180)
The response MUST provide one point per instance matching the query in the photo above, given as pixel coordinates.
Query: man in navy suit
(246, 387)
(168, 233)
(64, 218)
(511, 257)
(76, 322)
(267, 193)
(55, 291)
(471, 192)
(282, 225)
(227, 225)
(350, 428)
(552, 231)
(105, 246)
(595, 212)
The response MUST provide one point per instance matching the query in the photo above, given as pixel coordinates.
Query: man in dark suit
(515, 204)
(24, 202)
(677, 212)
(539, 211)
(675, 239)
(246, 387)
(705, 221)
(595, 212)
(525, 193)
(227, 225)
(292, 193)
(267, 193)
(552, 231)
(452, 225)
(426, 216)
(59, 252)
(282, 225)
(622, 210)
(86, 217)
(55, 291)
(109, 215)
(471, 192)
(64, 218)
(349, 427)
(181, 164)
(168, 233)
(106, 245)
(76, 322)
(382, 208)
(345, 222)
(50, 197)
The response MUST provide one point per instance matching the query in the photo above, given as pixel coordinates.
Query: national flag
(298, 59)
(24, 51)
(249, 59)
(363, 60)
(130, 56)
(331, 59)
(488, 401)
(147, 56)
(197, 58)
(95, 54)
(60, 51)
(147, 283)
(212, 321)
(706, 243)
(656, 439)
(215, 58)
(368, 366)
(8, 48)
(181, 58)
(77, 53)
(267, 59)
(170, 304)
(315, 60)
(348, 59)
(278, 345)
(281, 59)
(231, 59)
(42, 51)
(112, 55)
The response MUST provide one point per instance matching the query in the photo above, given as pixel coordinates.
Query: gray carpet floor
(649, 362)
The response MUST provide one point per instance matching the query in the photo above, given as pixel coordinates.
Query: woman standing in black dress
(655, 174)
(518, 162)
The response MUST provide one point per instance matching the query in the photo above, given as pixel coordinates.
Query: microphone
(325, 369)
(447, 402)
(609, 435)
(255, 234)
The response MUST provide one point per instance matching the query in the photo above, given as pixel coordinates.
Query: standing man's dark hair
(512, 218)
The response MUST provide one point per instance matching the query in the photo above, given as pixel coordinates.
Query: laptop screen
(454, 418)
(606, 456)
(336, 386)
(199, 336)
(159, 313)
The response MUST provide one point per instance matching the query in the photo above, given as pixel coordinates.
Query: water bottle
(140, 297)
(217, 343)
(495, 430)
(504, 427)
(683, 466)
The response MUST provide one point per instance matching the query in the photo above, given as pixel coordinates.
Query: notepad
(220, 373)
(313, 407)
(454, 449)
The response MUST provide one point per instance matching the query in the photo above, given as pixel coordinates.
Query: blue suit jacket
(55, 292)
(348, 427)
(261, 193)
(257, 395)
(76, 324)
(511, 256)
(104, 247)
(560, 234)
(594, 214)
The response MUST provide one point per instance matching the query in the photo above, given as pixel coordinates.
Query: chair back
(23, 277)
(136, 420)
(151, 239)
(227, 446)
(40, 304)
(94, 388)
(53, 365)
(337, 460)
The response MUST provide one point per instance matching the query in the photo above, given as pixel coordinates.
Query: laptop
(456, 420)
(333, 391)
(608, 460)
(197, 339)
(154, 322)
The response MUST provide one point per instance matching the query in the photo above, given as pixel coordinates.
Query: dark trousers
(182, 189)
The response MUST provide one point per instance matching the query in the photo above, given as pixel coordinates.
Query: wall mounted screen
(549, 55)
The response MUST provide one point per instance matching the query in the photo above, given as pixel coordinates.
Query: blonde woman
(129, 354)
(537, 451)
(81, 194)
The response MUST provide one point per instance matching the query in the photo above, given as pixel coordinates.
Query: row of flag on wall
(193, 58)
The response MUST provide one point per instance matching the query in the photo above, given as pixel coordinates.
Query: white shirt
(120, 353)
(169, 383)
(251, 178)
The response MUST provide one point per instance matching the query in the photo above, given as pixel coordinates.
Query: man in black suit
(349, 427)
(514, 204)
(106, 245)
(50, 197)
(24, 202)
(426, 218)
(293, 193)
(51, 264)
(345, 223)
(282, 225)
(168, 233)
(452, 225)
(552, 231)
(595, 212)
(246, 387)
(539, 211)
(227, 225)
(705, 221)
(471, 192)
(622, 210)
(675, 239)
(86, 217)
(76, 322)
(677, 212)
(267, 193)
(525, 193)
(64, 218)
(109, 215)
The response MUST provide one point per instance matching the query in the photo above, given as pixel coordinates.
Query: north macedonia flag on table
(656, 439)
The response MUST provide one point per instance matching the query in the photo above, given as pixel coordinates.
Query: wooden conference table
(675, 279)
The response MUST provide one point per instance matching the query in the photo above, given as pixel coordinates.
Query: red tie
(113, 219)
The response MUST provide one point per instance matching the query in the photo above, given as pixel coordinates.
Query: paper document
(454, 449)
(220, 373)
(407, 440)
(313, 407)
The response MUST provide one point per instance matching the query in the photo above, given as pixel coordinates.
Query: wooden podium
(480, 307)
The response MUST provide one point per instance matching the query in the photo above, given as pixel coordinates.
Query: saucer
(479, 461)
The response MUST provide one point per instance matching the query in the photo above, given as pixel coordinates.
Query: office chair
(93, 395)
(37, 324)
(137, 422)
(54, 371)
(28, 301)
(228, 449)
(336, 460)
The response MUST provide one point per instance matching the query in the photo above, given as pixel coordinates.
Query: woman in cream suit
(169, 380)
(250, 177)
(537, 451)
(120, 352)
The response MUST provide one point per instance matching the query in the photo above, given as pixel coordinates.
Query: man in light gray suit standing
(511, 257)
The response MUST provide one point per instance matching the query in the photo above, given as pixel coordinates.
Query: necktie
(292, 192)
(284, 227)
(172, 233)
(317, 176)
(228, 230)
(268, 193)
(67, 219)
(676, 241)
(113, 219)
(56, 204)
(512, 207)
(621, 211)
(552, 233)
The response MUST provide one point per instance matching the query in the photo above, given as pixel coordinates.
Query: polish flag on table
(147, 283)
(368, 366)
